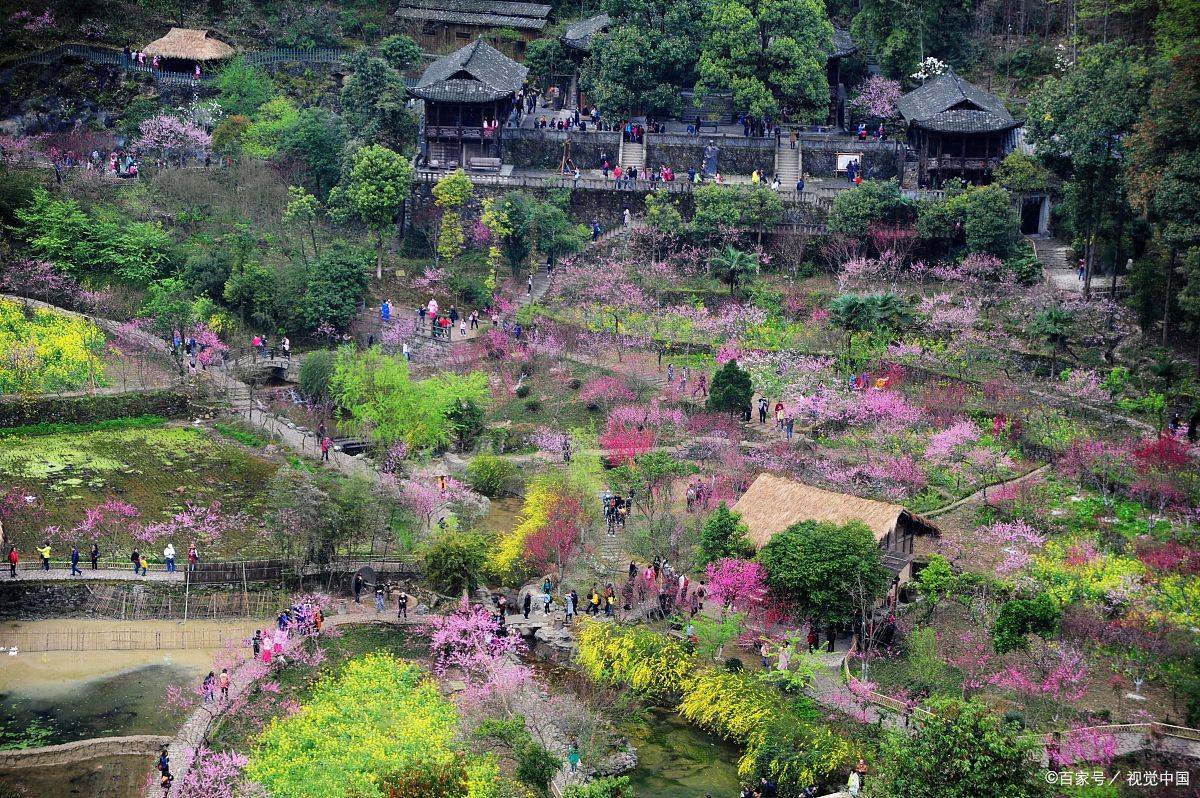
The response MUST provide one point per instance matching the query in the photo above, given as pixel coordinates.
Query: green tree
(962, 750)
(400, 51)
(241, 88)
(661, 213)
(853, 211)
(375, 103)
(723, 535)
(169, 306)
(375, 191)
(302, 210)
(1020, 172)
(265, 136)
(450, 193)
(935, 580)
(819, 565)
(648, 57)
(378, 398)
(1019, 618)
(903, 33)
(768, 54)
(761, 208)
(336, 284)
(731, 390)
(250, 290)
(545, 58)
(316, 138)
(227, 135)
(648, 478)
(733, 264)
(455, 560)
(1079, 123)
(990, 222)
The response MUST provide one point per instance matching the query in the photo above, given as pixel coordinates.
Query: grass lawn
(158, 470)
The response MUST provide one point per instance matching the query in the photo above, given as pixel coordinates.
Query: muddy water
(53, 697)
(502, 514)
(105, 777)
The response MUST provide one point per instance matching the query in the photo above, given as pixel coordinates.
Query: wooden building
(183, 48)
(468, 95)
(443, 25)
(957, 130)
(773, 503)
(577, 39)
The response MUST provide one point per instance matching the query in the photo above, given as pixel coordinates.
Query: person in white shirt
(169, 556)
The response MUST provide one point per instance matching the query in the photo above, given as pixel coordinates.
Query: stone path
(1061, 269)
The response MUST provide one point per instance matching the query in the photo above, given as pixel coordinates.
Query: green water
(125, 704)
(677, 760)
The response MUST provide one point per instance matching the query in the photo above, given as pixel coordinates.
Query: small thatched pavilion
(773, 503)
(183, 48)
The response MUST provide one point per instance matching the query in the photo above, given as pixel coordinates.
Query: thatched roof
(194, 45)
(773, 503)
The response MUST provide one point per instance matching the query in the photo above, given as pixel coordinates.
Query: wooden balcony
(458, 132)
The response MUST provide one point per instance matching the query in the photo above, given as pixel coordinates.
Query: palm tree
(733, 264)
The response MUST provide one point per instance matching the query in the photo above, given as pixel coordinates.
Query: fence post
(245, 589)
(187, 583)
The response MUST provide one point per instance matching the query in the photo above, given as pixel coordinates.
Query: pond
(103, 777)
(53, 697)
(678, 760)
(501, 516)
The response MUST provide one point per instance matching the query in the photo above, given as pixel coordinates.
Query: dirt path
(982, 492)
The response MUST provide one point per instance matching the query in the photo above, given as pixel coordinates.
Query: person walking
(764, 651)
(209, 685)
(571, 601)
(547, 600)
(145, 565)
(169, 556)
(256, 643)
(670, 373)
(627, 217)
(789, 426)
(378, 598)
(44, 551)
(223, 680)
(95, 556)
(402, 606)
(193, 557)
(762, 409)
(861, 769)
(13, 560)
(359, 582)
(325, 444)
(75, 561)
(526, 605)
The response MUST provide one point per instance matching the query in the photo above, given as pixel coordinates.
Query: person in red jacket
(13, 559)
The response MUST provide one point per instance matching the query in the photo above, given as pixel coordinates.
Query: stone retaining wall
(82, 750)
(16, 411)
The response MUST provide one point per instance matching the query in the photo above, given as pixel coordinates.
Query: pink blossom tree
(737, 583)
(877, 96)
(107, 523)
(172, 137)
(468, 641)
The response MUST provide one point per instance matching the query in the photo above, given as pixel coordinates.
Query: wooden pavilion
(957, 130)
(774, 503)
(182, 49)
(468, 96)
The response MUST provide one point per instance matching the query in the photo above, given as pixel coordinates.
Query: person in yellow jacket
(44, 550)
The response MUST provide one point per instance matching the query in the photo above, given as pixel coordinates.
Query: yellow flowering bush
(46, 351)
(1075, 571)
(379, 716)
(654, 665)
(732, 705)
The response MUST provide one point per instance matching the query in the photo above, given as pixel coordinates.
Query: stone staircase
(1058, 262)
(787, 163)
(632, 154)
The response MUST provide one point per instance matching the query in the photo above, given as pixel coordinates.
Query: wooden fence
(133, 603)
(118, 639)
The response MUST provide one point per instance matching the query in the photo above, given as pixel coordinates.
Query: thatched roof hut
(774, 503)
(188, 44)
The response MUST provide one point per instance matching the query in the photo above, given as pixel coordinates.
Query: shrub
(723, 535)
(606, 787)
(1021, 617)
(454, 560)
(522, 391)
(315, 373)
(653, 665)
(733, 665)
(533, 405)
(488, 474)
(574, 383)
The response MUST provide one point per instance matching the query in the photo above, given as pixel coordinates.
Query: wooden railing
(117, 639)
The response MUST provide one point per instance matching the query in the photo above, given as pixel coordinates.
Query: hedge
(20, 411)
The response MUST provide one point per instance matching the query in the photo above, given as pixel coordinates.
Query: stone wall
(142, 745)
(880, 160)
(737, 156)
(525, 148)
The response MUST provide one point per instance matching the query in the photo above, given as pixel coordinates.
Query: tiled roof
(949, 103)
(580, 34)
(476, 73)
(842, 45)
(524, 16)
